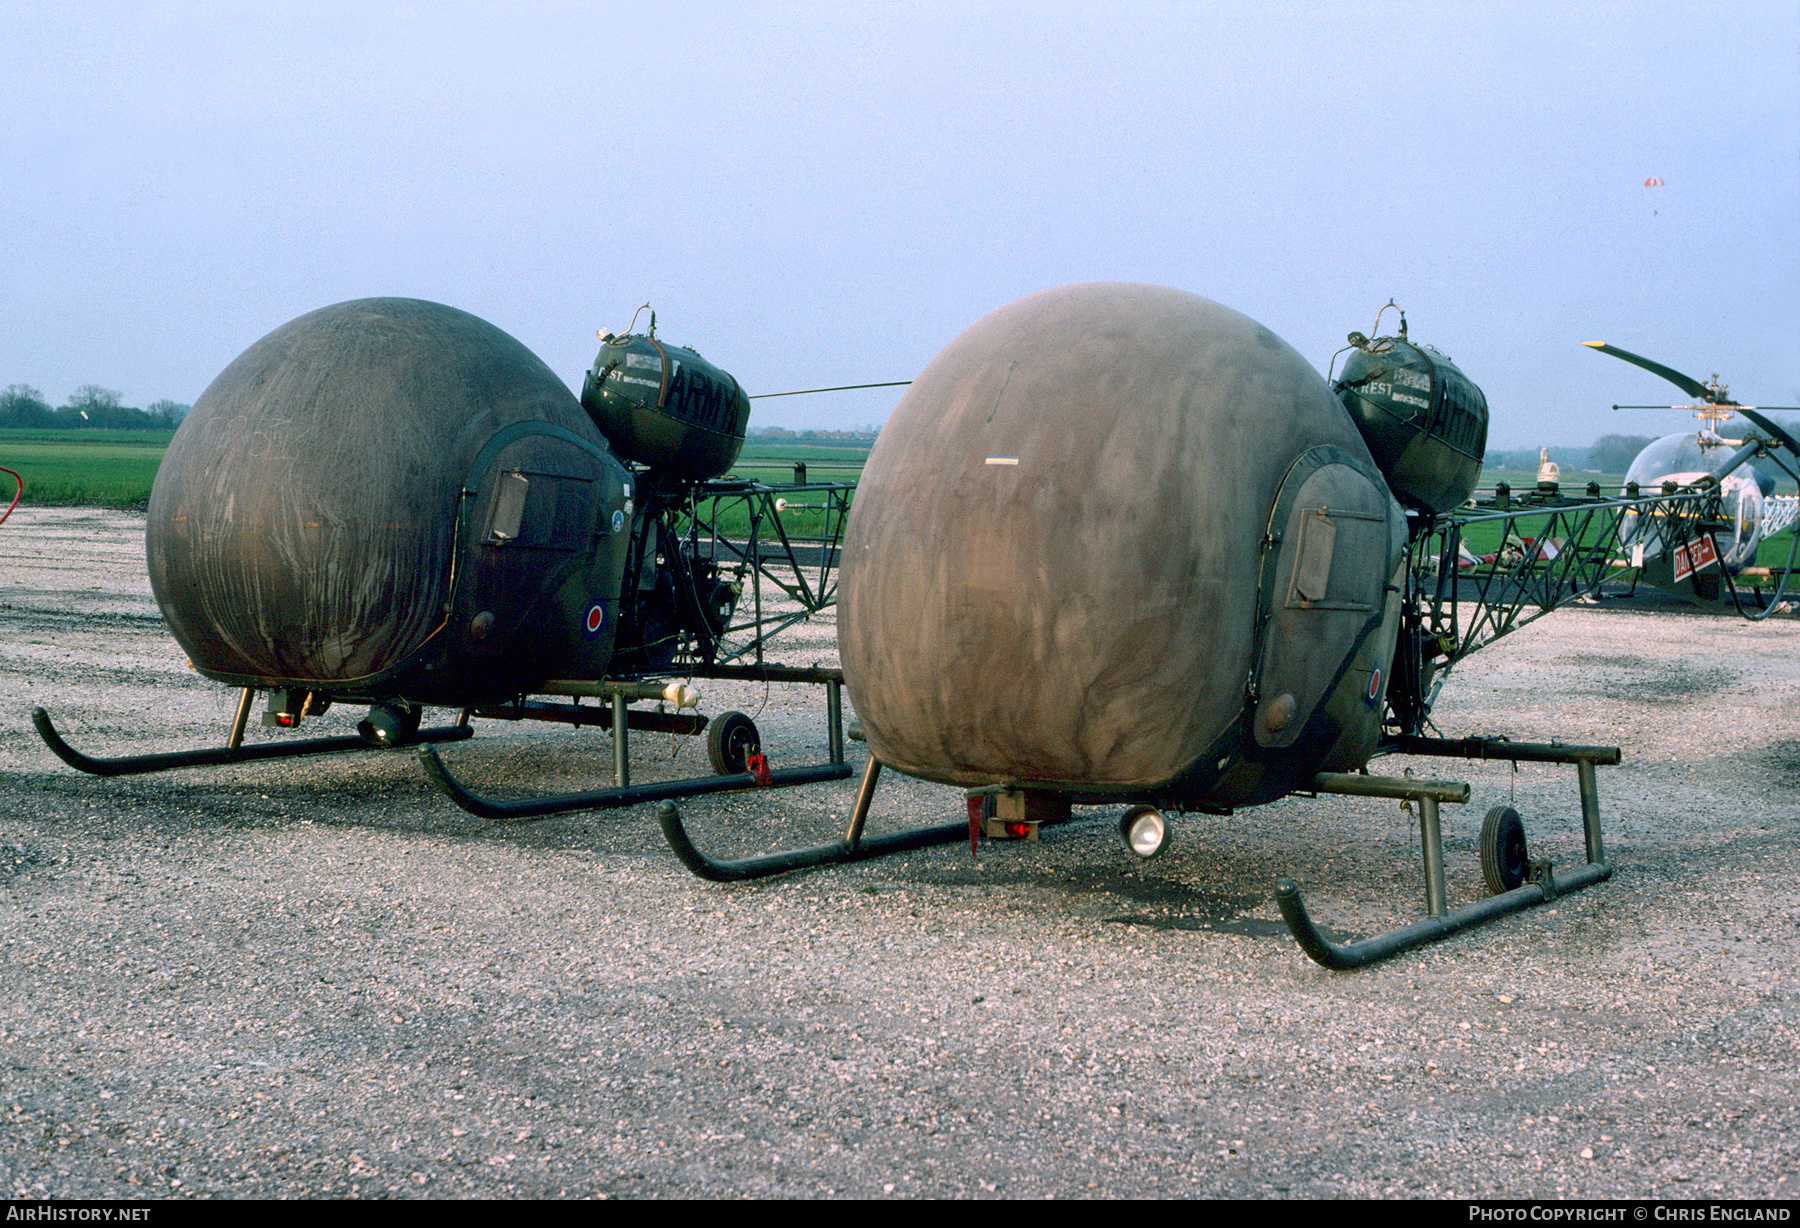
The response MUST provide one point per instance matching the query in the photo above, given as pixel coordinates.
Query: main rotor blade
(1692, 387)
(800, 392)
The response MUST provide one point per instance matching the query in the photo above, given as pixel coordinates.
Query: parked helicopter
(1119, 544)
(391, 502)
(1750, 511)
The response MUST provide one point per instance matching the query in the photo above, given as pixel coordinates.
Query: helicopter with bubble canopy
(1717, 570)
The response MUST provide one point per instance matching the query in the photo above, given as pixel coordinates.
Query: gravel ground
(319, 978)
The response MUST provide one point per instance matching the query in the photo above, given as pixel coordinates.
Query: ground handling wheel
(1504, 863)
(731, 738)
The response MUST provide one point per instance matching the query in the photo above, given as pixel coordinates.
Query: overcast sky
(810, 196)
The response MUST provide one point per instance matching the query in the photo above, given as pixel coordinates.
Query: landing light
(1146, 833)
(389, 724)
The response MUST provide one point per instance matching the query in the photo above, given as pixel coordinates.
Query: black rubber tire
(731, 739)
(1504, 861)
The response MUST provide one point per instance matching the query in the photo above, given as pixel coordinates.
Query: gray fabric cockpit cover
(1050, 573)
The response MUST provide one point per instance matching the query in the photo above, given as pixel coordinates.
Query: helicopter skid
(621, 720)
(853, 847)
(619, 795)
(233, 752)
(1441, 922)
(1346, 956)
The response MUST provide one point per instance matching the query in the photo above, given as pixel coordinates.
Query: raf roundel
(596, 619)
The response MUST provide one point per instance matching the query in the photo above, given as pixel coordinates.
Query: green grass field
(117, 468)
(83, 468)
(774, 462)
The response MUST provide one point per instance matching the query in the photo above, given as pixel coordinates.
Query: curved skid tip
(1346, 956)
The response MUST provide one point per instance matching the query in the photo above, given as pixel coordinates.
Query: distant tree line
(92, 407)
(1609, 454)
(863, 434)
